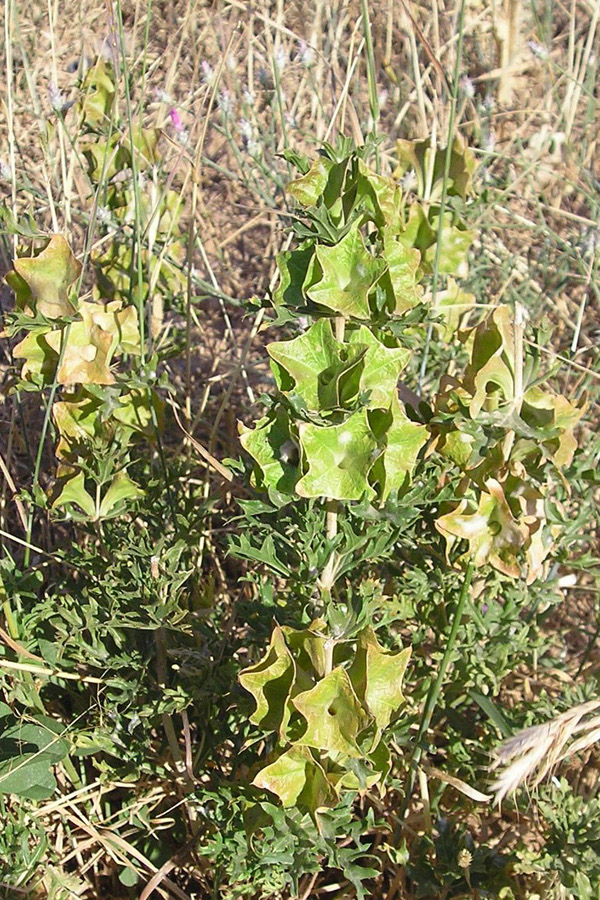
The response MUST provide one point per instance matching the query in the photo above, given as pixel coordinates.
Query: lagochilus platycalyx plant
(73, 343)
(338, 433)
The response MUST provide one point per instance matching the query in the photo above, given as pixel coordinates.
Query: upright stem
(434, 690)
(333, 505)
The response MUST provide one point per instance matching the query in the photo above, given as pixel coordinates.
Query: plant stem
(333, 505)
(434, 690)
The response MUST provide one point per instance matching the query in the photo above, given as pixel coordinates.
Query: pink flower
(176, 121)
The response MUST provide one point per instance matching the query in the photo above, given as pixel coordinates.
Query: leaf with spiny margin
(298, 780)
(402, 441)
(492, 361)
(42, 283)
(270, 681)
(98, 94)
(307, 646)
(417, 155)
(381, 196)
(559, 417)
(493, 534)
(403, 267)
(307, 189)
(382, 367)
(293, 267)
(338, 458)
(40, 357)
(333, 714)
(349, 272)
(271, 445)
(304, 359)
(452, 305)
(376, 675)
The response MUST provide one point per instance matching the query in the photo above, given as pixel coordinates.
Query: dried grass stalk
(535, 751)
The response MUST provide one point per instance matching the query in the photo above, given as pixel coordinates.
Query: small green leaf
(338, 458)
(381, 195)
(293, 266)
(305, 358)
(308, 188)
(122, 489)
(382, 367)
(452, 305)
(271, 445)
(42, 283)
(349, 272)
(403, 267)
(454, 242)
(333, 714)
(402, 441)
(377, 676)
(298, 780)
(270, 681)
(491, 367)
(73, 491)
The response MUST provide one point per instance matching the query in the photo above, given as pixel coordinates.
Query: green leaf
(491, 366)
(305, 358)
(307, 646)
(403, 269)
(98, 93)
(452, 305)
(27, 777)
(382, 367)
(122, 489)
(40, 358)
(270, 681)
(381, 195)
(42, 283)
(338, 457)
(377, 675)
(271, 445)
(29, 774)
(454, 242)
(298, 780)
(293, 266)
(73, 491)
(429, 164)
(402, 441)
(307, 189)
(349, 272)
(333, 714)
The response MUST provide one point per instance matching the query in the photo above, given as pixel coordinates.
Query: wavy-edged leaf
(348, 273)
(402, 440)
(42, 283)
(377, 675)
(338, 458)
(307, 189)
(298, 780)
(270, 681)
(381, 369)
(271, 445)
(333, 715)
